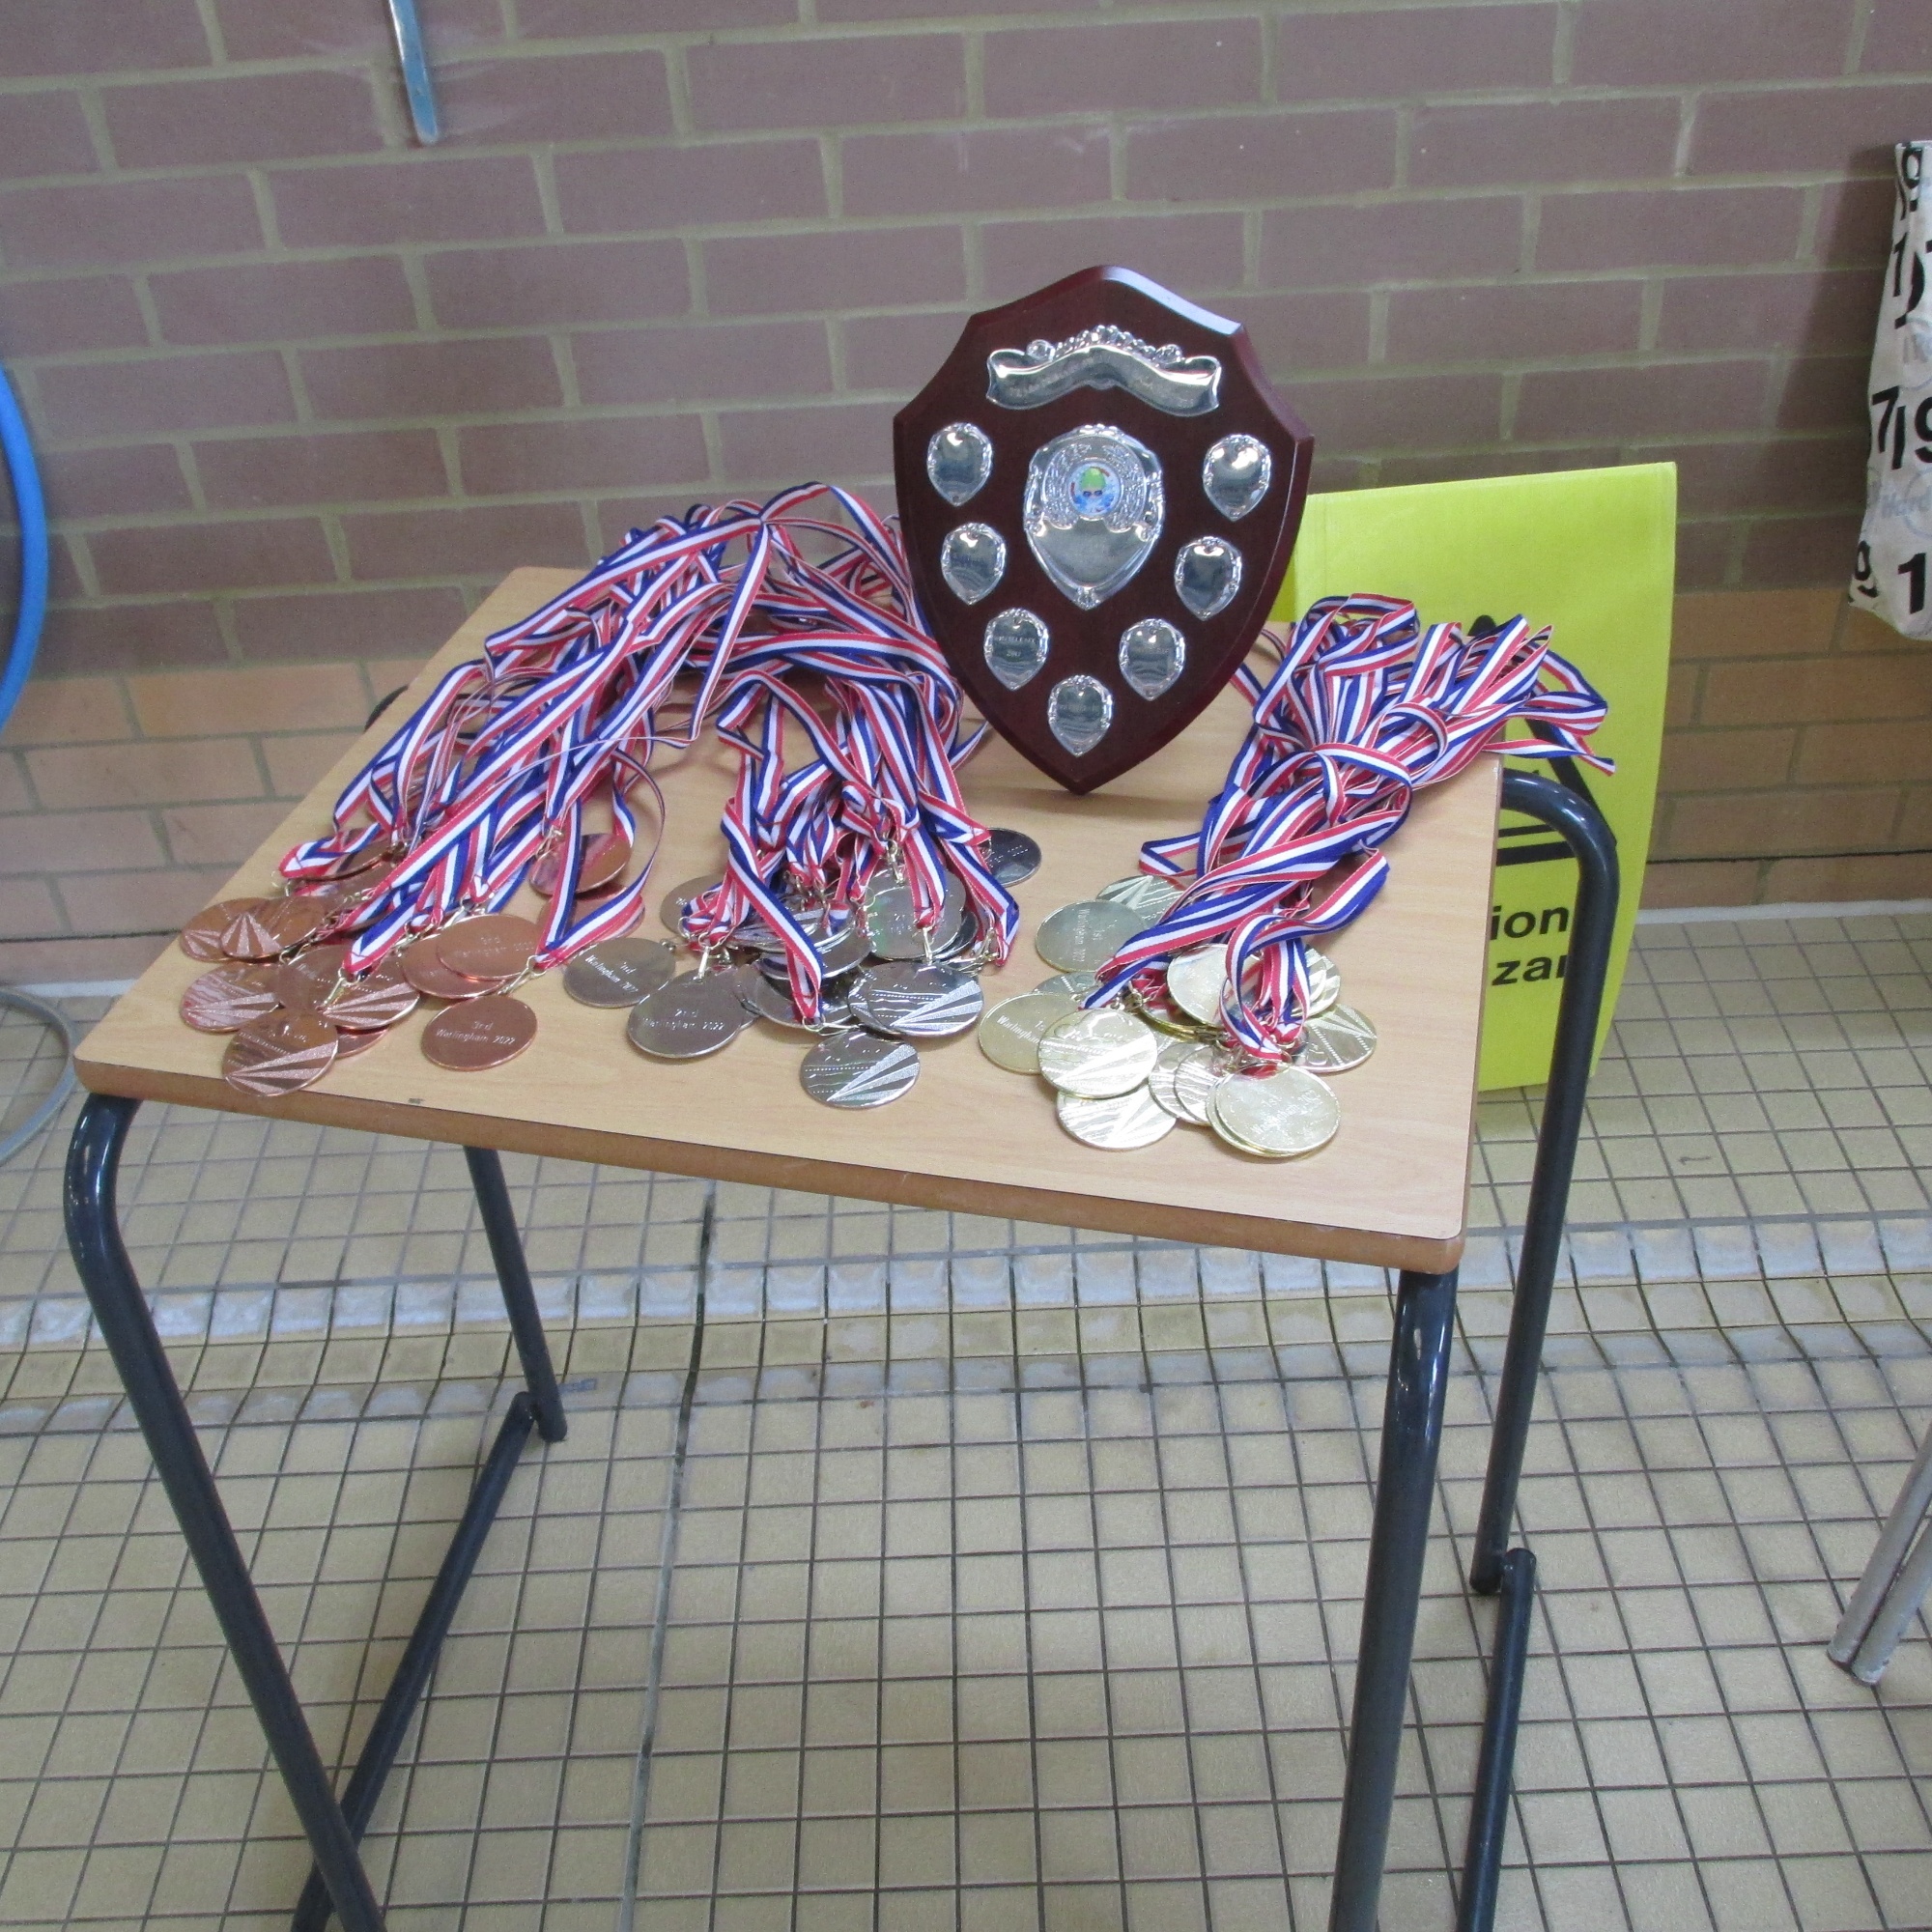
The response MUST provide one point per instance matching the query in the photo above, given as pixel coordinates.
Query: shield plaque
(1100, 492)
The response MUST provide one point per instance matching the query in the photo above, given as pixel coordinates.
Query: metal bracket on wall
(416, 82)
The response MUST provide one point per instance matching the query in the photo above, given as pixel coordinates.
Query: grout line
(1787, 909)
(640, 1786)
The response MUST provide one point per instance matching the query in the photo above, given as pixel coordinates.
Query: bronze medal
(479, 1033)
(304, 983)
(229, 998)
(424, 970)
(378, 999)
(279, 1055)
(201, 936)
(296, 921)
(495, 947)
(250, 934)
(349, 1044)
(606, 854)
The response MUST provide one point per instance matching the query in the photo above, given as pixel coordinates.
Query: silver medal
(1143, 894)
(1120, 1123)
(1080, 937)
(892, 921)
(1097, 1054)
(1008, 1033)
(857, 1069)
(917, 1002)
(671, 912)
(1075, 986)
(1335, 1042)
(693, 1015)
(770, 999)
(619, 972)
(1011, 856)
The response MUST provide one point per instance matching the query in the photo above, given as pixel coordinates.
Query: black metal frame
(1412, 1435)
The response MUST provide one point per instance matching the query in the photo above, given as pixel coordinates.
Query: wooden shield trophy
(1100, 492)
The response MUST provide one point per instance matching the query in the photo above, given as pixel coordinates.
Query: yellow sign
(1592, 553)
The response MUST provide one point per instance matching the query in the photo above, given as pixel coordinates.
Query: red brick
(26, 905)
(623, 191)
(121, 636)
(1740, 824)
(1697, 762)
(856, 268)
(1854, 221)
(913, 9)
(533, 96)
(485, 540)
(708, 361)
(164, 393)
(104, 224)
(284, 301)
(1868, 753)
(407, 198)
(1683, 43)
(272, 472)
(897, 352)
(1296, 332)
(835, 83)
(1898, 38)
(1391, 241)
(200, 705)
(1462, 465)
(62, 318)
(43, 134)
(241, 117)
(58, 710)
(1534, 318)
(1705, 554)
(334, 28)
(572, 19)
(611, 452)
(1420, 53)
(615, 518)
(1808, 473)
(1809, 313)
(1664, 399)
(140, 479)
(345, 623)
(1755, 624)
(1826, 393)
(1533, 143)
(144, 902)
(1801, 550)
(146, 774)
(1124, 68)
(298, 762)
(64, 580)
(1802, 691)
(1398, 411)
(1245, 156)
(432, 378)
(1672, 226)
(972, 170)
(57, 37)
(561, 281)
(1198, 254)
(219, 835)
(1887, 875)
(14, 793)
(1796, 128)
(78, 842)
(833, 444)
(210, 556)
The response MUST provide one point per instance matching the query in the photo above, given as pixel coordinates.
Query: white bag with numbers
(1890, 572)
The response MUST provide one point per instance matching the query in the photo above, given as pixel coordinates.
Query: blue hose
(31, 509)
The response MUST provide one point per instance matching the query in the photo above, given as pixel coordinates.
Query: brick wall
(305, 390)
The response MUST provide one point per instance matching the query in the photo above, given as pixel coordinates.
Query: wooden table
(1389, 1190)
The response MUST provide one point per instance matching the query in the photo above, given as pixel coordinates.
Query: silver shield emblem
(1093, 510)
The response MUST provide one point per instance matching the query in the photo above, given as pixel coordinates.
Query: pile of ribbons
(1367, 707)
(778, 623)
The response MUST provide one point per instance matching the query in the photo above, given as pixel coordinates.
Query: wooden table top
(1388, 1189)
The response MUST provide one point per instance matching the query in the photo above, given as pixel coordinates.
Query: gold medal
(1278, 1116)
(1097, 1054)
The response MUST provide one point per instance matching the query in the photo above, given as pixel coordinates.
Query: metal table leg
(1425, 1324)
(1497, 1568)
(1895, 1582)
(333, 1828)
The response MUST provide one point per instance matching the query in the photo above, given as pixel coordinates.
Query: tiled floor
(998, 1598)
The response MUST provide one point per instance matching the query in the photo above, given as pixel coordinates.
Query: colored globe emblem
(1095, 489)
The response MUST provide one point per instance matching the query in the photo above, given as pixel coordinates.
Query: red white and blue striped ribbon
(1366, 708)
